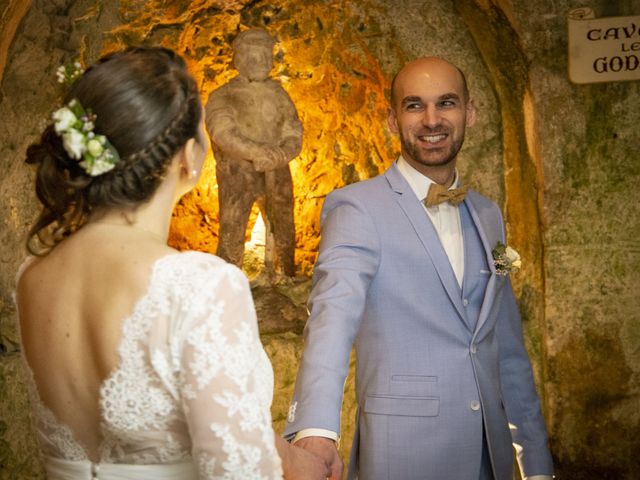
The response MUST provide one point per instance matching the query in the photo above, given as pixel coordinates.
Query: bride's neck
(153, 217)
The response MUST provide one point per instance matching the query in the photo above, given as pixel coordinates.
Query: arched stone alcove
(554, 156)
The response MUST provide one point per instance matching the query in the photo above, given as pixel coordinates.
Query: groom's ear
(392, 121)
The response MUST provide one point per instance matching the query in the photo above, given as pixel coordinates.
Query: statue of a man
(255, 132)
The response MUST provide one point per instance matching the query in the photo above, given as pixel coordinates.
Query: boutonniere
(505, 259)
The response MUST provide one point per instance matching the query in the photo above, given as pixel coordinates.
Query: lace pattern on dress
(193, 379)
(58, 437)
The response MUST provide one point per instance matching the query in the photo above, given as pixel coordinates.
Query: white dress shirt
(444, 217)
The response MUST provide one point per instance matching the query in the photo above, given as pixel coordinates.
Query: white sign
(603, 49)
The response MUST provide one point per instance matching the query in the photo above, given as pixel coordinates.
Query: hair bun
(147, 105)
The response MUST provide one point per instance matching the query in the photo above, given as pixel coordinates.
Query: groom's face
(430, 112)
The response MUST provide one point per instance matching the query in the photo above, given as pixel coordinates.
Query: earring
(194, 173)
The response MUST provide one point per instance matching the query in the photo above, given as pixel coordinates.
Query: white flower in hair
(69, 73)
(64, 119)
(75, 126)
(74, 143)
(60, 73)
(100, 165)
(94, 146)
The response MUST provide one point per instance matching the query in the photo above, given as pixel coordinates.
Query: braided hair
(148, 106)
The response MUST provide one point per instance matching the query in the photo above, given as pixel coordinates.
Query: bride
(145, 363)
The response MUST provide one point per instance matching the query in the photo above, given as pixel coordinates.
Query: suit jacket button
(475, 405)
(291, 415)
(473, 348)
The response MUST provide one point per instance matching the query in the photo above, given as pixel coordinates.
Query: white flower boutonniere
(505, 259)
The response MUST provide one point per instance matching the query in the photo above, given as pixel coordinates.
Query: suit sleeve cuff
(319, 432)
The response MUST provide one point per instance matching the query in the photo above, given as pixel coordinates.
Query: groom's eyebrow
(411, 99)
(450, 96)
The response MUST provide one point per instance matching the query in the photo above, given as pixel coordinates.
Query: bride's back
(146, 363)
(126, 145)
(72, 304)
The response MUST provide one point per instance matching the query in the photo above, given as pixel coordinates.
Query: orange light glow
(335, 81)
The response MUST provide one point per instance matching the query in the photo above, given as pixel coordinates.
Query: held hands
(324, 448)
(298, 464)
(303, 465)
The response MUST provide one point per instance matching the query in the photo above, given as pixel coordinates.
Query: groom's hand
(300, 464)
(326, 449)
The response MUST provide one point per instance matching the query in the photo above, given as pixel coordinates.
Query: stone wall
(588, 140)
(558, 157)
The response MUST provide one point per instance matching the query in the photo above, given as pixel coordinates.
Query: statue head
(253, 54)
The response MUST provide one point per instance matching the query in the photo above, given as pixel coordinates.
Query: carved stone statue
(255, 132)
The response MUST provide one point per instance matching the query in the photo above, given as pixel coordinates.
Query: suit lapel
(428, 237)
(484, 231)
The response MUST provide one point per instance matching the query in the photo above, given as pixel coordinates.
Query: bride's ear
(189, 163)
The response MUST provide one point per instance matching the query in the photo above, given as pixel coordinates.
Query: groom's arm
(519, 395)
(347, 261)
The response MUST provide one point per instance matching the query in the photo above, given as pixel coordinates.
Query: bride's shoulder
(194, 260)
(193, 269)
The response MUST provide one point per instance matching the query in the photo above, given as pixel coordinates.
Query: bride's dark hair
(148, 106)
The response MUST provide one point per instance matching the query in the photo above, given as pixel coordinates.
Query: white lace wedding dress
(190, 398)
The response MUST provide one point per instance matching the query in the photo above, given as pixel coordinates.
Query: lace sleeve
(226, 382)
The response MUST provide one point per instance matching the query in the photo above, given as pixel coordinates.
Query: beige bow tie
(438, 194)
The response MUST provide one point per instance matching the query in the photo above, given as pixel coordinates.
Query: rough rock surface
(560, 159)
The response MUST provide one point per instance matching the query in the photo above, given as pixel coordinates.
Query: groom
(405, 271)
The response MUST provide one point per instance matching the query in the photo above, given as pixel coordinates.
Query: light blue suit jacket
(426, 374)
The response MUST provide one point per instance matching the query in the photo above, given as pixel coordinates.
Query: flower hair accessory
(505, 259)
(69, 73)
(75, 125)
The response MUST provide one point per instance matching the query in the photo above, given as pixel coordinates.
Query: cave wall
(559, 158)
(588, 141)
